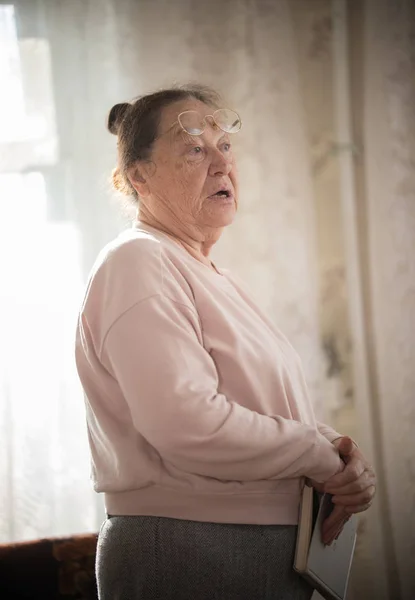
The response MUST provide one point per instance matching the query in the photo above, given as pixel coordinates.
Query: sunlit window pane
(27, 118)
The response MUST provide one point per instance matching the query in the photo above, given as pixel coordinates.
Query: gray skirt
(149, 558)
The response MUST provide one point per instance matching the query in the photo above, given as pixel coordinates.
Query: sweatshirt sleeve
(170, 383)
(329, 433)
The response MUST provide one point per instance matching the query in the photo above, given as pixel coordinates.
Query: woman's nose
(220, 165)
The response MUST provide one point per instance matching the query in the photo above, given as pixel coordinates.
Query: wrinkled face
(191, 179)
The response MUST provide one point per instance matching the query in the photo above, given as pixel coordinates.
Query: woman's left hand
(354, 488)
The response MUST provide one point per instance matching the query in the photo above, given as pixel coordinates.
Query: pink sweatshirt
(196, 404)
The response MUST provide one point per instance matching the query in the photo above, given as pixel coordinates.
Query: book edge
(304, 530)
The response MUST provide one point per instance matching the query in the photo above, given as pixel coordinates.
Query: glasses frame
(204, 121)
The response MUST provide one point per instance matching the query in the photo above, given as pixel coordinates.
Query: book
(326, 568)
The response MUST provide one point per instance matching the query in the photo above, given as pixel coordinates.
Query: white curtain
(43, 468)
(388, 245)
(65, 64)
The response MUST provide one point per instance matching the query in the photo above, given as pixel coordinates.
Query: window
(44, 459)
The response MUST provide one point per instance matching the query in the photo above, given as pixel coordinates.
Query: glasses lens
(192, 122)
(228, 120)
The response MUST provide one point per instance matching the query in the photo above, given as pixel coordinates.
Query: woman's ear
(138, 180)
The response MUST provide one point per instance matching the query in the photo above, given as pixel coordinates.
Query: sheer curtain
(386, 105)
(43, 466)
(63, 65)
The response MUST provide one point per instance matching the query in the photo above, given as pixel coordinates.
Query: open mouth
(222, 194)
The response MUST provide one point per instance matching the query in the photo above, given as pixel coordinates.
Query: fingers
(353, 470)
(353, 510)
(334, 519)
(333, 525)
(346, 446)
(334, 533)
(330, 534)
(365, 481)
(352, 490)
(355, 499)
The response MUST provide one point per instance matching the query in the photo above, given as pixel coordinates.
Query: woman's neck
(196, 243)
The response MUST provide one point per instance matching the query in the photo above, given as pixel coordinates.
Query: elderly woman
(200, 425)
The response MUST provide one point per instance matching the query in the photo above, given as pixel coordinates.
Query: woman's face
(186, 172)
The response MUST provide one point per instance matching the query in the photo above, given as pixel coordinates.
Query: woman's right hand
(333, 525)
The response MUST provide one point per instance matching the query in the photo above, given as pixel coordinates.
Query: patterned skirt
(149, 558)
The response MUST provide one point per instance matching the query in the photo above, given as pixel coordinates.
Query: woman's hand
(352, 490)
(355, 487)
(333, 525)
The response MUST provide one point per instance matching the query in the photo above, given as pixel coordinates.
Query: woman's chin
(221, 214)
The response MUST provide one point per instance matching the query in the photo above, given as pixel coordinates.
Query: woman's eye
(227, 146)
(197, 150)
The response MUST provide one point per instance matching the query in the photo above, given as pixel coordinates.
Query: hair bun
(115, 117)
